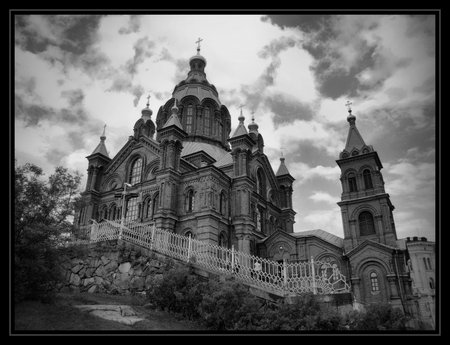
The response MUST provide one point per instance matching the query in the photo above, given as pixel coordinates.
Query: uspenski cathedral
(185, 171)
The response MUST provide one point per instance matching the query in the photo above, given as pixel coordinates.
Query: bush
(227, 305)
(378, 317)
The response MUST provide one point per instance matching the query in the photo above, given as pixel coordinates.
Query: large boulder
(124, 267)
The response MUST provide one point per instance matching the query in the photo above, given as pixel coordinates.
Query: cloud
(319, 196)
(302, 172)
(287, 109)
(143, 49)
(134, 25)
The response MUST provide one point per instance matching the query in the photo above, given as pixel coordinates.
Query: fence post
(153, 237)
(232, 257)
(189, 248)
(313, 271)
(284, 274)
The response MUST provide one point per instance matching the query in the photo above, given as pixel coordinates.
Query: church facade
(188, 173)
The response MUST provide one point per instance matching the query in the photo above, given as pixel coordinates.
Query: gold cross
(348, 105)
(198, 43)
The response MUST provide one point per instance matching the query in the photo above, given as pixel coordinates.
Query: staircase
(262, 275)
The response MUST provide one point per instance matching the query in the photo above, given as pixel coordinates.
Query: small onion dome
(147, 112)
(197, 57)
(241, 118)
(253, 126)
(351, 118)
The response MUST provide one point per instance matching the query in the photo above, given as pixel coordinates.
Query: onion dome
(253, 126)
(240, 130)
(147, 112)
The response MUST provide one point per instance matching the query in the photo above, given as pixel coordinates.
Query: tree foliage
(42, 211)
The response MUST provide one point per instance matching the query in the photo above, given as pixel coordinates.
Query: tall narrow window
(431, 282)
(222, 207)
(190, 201)
(429, 264)
(367, 179)
(207, 121)
(189, 115)
(155, 205)
(132, 209)
(352, 183)
(260, 183)
(136, 170)
(366, 224)
(374, 282)
(148, 208)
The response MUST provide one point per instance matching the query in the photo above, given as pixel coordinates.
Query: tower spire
(101, 148)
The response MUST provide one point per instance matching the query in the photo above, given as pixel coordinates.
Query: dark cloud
(306, 22)
(337, 83)
(143, 48)
(287, 109)
(276, 46)
(124, 83)
(134, 25)
(75, 97)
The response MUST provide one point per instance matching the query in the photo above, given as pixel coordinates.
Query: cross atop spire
(198, 45)
(148, 101)
(348, 105)
(241, 117)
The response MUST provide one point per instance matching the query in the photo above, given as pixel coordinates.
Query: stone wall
(109, 267)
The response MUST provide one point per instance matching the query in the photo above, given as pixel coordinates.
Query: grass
(62, 316)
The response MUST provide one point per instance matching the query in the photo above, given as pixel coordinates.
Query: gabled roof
(221, 156)
(371, 243)
(324, 235)
(173, 120)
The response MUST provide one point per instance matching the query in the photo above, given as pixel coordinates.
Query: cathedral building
(188, 173)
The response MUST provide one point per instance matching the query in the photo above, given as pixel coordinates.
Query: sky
(74, 73)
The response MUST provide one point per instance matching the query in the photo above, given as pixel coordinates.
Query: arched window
(223, 242)
(352, 183)
(189, 115)
(112, 212)
(374, 282)
(104, 213)
(132, 209)
(366, 224)
(189, 233)
(429, 264)
(367, 179)
(148, 209)
(135, 172)
(207, 126)
(155, 205)
(190, 201)
(431, 282)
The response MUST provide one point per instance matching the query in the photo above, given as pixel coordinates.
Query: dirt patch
(65, 314)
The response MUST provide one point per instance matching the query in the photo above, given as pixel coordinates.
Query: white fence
(301, 277)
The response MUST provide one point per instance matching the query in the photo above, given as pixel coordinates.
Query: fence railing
(315, 277)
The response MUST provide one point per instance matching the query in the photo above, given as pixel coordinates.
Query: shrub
(377, 317)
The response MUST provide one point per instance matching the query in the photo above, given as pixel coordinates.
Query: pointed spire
(240, 130)
(282, 170)
(354, 138)
(101, 148)
(173, 119)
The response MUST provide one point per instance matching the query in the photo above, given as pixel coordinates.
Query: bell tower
(365, 206)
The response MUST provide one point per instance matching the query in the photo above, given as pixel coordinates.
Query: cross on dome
(348, 105)
(148, 101)
(198, 45)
